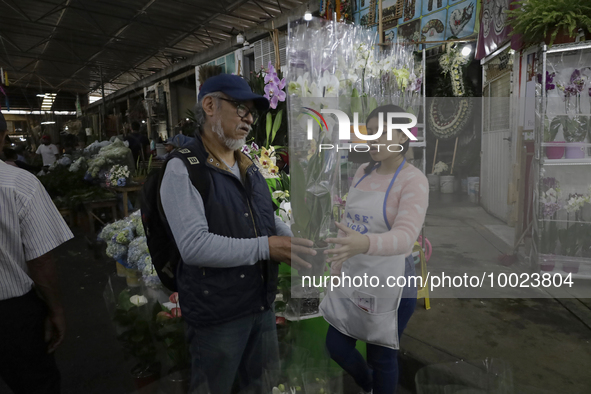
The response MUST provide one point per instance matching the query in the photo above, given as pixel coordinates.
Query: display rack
(562, 239)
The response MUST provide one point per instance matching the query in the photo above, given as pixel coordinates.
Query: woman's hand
(352, 245)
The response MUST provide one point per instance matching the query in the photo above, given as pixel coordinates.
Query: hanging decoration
(452, 62)
(447, 117)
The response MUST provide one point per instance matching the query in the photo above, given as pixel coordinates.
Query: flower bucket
(555, 152)
(133, 277)
(570, 267)
(474, 188)
(575, 151)
(464, 185)
(121, 270)
(547, 263)
(433, 182)
(446, 184)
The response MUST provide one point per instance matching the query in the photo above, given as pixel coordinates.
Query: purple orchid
(550, 183)
(245, 149)
(254, 146)
(549, 80)
(577, 81)
(274, 94)
(550, 209)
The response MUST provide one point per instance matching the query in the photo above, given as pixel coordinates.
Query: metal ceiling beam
(52, 33)
(59, 60)
(75, 33)
(231, 8)
(217, 51)
(16, 8)
(119, 32)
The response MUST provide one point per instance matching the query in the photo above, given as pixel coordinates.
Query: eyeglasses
(242, 110)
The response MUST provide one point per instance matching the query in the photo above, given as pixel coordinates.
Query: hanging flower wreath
(448, 116)
(452, 62)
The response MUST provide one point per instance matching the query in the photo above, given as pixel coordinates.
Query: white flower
(440, 167)
(285, 212)
(329, 84)
(138, 300)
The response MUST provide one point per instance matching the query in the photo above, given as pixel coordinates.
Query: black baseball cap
(3, 125)
(234, 86)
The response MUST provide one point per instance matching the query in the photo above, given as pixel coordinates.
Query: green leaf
(276, 126)
(268, 125)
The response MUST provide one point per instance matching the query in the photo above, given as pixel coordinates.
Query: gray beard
(230, 143)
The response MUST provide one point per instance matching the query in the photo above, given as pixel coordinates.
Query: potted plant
(574, 125)
(169, 332)
(132, 317)
(142, 173)
(550, 21)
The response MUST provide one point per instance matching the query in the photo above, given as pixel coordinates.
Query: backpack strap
(200, 178)
(198, 174)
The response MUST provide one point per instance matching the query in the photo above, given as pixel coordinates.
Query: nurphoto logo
(345, 129)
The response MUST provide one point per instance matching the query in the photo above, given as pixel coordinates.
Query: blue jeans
(380, 372)
(241, 347)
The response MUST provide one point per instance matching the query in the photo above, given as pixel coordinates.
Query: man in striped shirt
(32, 323)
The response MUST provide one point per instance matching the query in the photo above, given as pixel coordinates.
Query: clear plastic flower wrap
(79, 164)
(115, 153)
(116, 251)
(96, 146)
(137, 251)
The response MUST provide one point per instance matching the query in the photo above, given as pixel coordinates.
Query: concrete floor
(543, 342)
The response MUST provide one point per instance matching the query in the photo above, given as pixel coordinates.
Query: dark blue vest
(217, 295)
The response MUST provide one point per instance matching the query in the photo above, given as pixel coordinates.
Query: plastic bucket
(433, 182)
(575, 151)
(465, 185)
(446, 184)
(160, 150)
(555, 152)
(473, 188)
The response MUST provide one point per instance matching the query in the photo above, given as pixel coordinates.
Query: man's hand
(55, 328)
(284, 249)
(353, 244)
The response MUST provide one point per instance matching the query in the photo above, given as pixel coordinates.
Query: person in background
(20, 153)
(137, 142)
(32, 324)
(12, 160)
(169, 146)
(174, 143)
(48, 151)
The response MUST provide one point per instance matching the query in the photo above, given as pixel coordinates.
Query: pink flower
(176, 312)
(174, 298)
(161, 316)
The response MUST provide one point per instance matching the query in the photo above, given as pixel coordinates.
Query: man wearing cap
(169, 146)
(230, 242)
(32, 324)
(48, 151)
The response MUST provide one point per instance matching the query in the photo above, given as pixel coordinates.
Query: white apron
(367, 313)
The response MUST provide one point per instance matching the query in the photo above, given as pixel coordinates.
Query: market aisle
(90, 359)
(547, 345)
